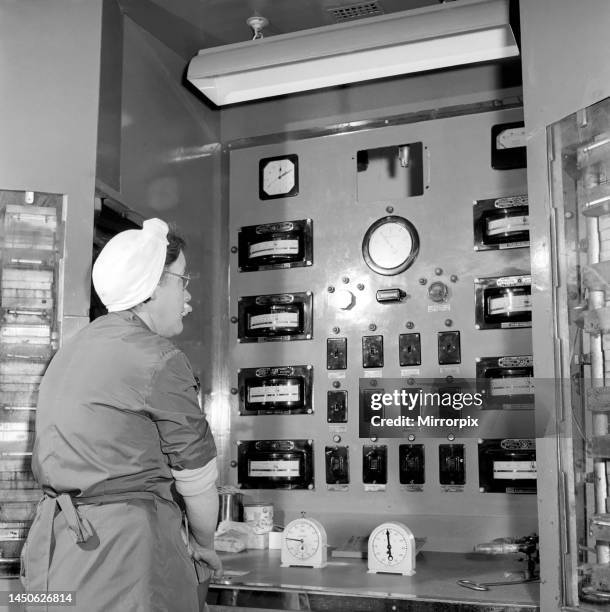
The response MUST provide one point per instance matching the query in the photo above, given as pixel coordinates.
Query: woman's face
(171, 300)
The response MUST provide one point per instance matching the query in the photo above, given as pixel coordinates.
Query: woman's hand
(207, 556)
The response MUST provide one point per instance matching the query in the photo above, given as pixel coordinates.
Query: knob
(438, 292)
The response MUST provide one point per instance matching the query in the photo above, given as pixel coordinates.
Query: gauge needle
(296, 540)
(387, 535)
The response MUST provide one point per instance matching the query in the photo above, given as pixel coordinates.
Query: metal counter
(345, 585)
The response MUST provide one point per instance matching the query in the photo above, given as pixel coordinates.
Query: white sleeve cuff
(194, 482)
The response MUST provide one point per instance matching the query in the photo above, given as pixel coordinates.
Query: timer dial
(392, 549)
(304, 544)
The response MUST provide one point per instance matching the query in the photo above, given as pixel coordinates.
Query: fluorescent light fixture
(462, 32)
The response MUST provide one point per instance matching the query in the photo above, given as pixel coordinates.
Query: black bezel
(491, 450)
(507, 159)
(274, 450)
(302, 375)
(300, 230)
(486, 288)
(263, 195)
(407, 262)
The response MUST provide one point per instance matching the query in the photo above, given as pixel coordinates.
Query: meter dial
(278, 177)
(391, 549)
(390, 245)
(304, 543)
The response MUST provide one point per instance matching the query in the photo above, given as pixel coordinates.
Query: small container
(229, 506)
(259, 515)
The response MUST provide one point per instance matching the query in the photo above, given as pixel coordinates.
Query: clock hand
(387, 535)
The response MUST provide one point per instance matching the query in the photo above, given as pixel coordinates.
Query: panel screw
(233, 463)
(451, 437)
(233, 249)
(360, 286)
(453, 278)
(336, 330)
(374, 382)
(234, 390)
(448, 322)
(336, 384)
(423, 281)
(411, 437)
(449, 378)
(233, 319)
(331, 289)
(336, 438)
(438, 271)
(345, 279)
(410, 325)
(372, 327)
(389, 209)
(410, 381)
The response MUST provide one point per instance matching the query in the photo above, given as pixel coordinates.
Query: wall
(49, 69)
(370, 100)
(565, 68)
(170, 167)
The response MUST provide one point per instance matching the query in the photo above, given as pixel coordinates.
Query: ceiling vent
(355, 11)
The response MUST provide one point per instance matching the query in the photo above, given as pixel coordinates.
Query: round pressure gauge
(391, 549)
(304, 544)
(390, 245)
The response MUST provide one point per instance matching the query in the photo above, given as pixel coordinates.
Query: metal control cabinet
(31, 248)
(579, 174)
(376, 313)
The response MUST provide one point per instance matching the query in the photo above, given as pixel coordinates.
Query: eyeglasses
(186, 278)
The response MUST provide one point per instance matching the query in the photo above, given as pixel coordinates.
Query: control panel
(371, 275)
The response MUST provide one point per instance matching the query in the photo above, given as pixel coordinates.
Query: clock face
(390, 245)
(389, 545)
(278, 177)
(302, 539)
(392, 549)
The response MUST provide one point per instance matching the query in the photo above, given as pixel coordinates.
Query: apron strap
(37, 555)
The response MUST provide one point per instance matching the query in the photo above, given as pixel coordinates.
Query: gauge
(304, 544)
(391, 549)
(278, 177)
(390, 245)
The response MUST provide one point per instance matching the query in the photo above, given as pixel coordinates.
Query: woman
(119, 432)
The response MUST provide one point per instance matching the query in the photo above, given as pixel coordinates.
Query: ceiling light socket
(257, 24)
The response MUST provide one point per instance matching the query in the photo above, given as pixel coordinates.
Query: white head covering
(129, 267)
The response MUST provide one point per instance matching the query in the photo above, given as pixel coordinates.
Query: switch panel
(336, 406)
(411, 463)
(337, 464)
(336, 353)
(374, 464)
(372, 351)
(449, 349)
(451, 464)
(409, 349)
